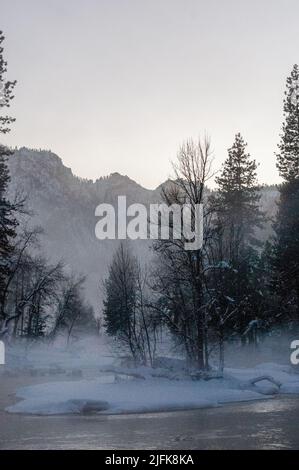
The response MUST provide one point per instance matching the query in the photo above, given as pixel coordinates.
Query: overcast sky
(117, 85)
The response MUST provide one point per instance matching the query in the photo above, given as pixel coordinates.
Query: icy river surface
(262, 424)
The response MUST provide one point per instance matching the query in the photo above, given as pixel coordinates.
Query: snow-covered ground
(152, 393)
(90, 377)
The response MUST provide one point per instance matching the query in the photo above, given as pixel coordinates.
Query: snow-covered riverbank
(153, 393)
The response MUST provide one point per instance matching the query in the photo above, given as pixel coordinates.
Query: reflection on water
(269, 406)
(269, 424)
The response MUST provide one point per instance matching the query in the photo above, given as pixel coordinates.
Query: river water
(264, 424)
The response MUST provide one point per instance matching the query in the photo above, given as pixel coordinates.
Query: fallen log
(265, 377)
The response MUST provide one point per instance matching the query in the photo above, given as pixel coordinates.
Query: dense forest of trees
(234, 288)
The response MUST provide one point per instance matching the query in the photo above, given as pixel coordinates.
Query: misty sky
(117, 85)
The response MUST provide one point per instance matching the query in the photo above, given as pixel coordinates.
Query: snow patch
(152, 394)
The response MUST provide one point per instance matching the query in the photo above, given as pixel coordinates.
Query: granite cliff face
(64, 206)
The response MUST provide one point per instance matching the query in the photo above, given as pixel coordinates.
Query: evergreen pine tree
(285, 253)
(238, 216)
(7, 220)
(238, 199)
(288, 158)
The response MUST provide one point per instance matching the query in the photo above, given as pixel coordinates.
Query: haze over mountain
(64, 206)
